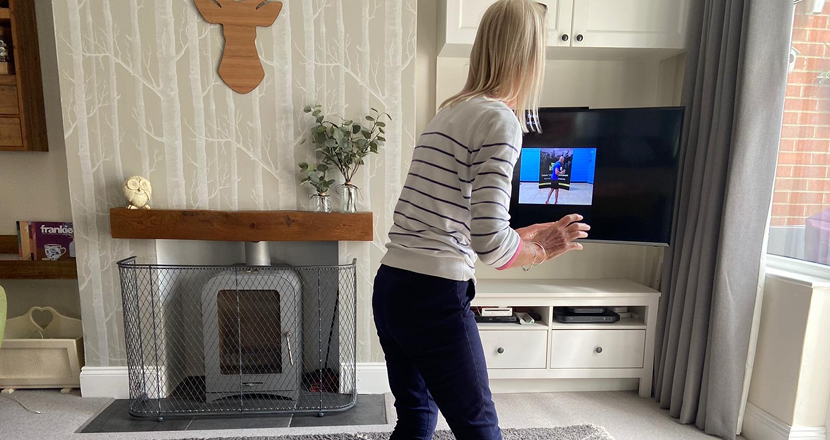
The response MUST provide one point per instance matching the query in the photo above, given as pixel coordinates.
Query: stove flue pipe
(257, 253)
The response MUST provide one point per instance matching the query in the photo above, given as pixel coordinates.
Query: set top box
(585, 315)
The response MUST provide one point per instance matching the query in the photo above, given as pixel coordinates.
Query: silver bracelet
(535, 256)
(544, 254)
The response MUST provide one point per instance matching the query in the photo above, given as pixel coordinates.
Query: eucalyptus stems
(345, 145)
(316, 177)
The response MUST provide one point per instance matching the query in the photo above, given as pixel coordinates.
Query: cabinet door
(515, 348)
(651, 24)
(597, 348)
(464, 16)
(560, 14)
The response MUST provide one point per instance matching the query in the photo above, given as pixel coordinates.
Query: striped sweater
(453, 208)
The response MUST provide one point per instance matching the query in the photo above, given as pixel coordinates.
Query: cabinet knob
(501, 350)
(598, 350)
(565, 37)
(579, 37)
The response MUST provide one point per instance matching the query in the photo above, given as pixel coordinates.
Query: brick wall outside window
(802, 184)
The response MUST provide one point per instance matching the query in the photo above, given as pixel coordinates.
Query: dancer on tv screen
(557, 169)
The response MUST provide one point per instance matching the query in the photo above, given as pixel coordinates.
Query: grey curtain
(734, 97)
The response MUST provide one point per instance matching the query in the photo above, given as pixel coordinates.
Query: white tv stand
(527, 356)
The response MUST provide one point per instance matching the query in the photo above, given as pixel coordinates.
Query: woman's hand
(556, 238)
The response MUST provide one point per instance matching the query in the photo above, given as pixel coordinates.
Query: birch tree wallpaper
(141, 96)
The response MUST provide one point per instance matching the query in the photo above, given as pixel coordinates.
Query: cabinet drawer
(519, 348)
(8, 100)
(597, 348)
(10, 135)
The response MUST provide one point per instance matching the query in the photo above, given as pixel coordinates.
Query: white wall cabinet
(575, 24)
(464, 16)
(643, 24)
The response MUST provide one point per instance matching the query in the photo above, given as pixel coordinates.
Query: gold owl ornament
(138, 192)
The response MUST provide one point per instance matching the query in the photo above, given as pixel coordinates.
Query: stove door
(253, 327)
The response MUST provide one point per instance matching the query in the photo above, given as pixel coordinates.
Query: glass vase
(349, 194)
(321, 202)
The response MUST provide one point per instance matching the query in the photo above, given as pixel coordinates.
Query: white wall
(827, 420)
(577, 83)
(426, 63)
(34, 186)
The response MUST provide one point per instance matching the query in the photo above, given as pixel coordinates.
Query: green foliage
(346, 145)
(316, 177)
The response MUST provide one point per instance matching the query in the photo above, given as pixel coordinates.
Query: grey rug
(580, 432)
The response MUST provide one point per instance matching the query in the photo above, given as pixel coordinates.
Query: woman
(454, 209)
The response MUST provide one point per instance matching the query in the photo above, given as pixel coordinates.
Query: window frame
(798, 267)
(791, 265)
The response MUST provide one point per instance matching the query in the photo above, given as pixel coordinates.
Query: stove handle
(290, 353)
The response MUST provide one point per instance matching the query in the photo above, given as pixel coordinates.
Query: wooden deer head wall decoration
(241, 68)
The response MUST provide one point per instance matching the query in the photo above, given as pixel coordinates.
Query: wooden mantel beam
(168, 224)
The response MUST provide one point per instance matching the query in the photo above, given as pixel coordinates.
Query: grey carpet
(623, 414)
(580, 432)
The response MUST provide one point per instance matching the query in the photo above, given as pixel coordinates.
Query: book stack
(45, 241)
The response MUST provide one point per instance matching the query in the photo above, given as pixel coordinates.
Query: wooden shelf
(32, 270)
(38, 270)
(153, 224)
(8, 244)
(8, 80)
(483, 326)
(5, 14)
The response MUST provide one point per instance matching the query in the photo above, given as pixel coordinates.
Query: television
(616, 167)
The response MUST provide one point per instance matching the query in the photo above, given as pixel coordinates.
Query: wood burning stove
(239, 339)
(252, 333)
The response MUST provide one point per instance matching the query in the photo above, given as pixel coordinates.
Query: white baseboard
(105, 382)
(372, 378)
(527, 386)
(112, 382)
(761, 425)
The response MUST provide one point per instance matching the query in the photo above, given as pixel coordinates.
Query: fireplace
(205, 340)
(251, 323)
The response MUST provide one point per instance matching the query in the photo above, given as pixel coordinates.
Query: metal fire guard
(239, 339)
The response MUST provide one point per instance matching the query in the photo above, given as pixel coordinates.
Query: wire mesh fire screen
(239, 339)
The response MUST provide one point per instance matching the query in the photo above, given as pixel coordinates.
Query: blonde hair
(507, 62)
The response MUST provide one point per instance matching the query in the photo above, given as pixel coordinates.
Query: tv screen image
(616, 167)
(558, 176)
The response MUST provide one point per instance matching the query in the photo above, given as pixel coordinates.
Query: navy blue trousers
(434, 356)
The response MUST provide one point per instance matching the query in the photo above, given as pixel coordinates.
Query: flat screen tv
(616, 167)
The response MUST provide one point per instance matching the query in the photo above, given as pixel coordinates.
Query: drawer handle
(500, 350)
(598, 350)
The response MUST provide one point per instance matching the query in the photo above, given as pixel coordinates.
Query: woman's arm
(491, 237)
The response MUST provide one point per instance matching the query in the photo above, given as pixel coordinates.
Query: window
(800, 224)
